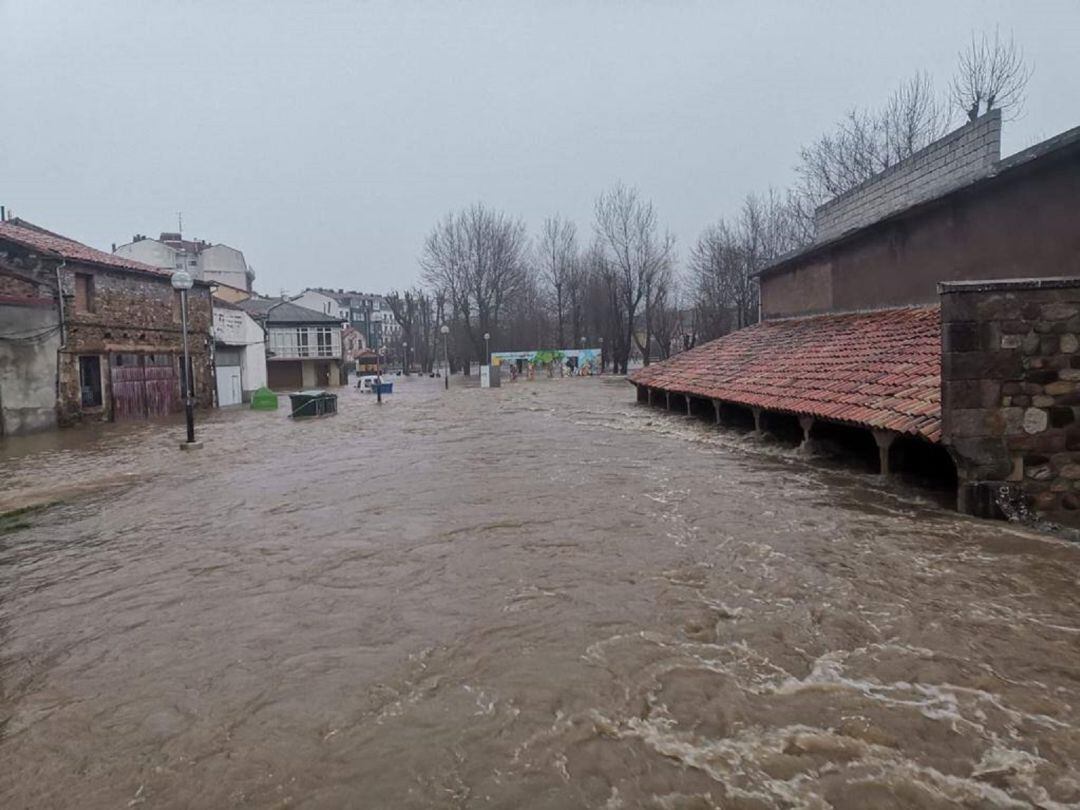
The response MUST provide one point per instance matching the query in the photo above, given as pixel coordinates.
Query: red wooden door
(143, 385)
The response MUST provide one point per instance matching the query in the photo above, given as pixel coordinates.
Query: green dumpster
(264, 400)
(313, 403)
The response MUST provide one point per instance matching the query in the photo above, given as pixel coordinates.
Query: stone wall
(132, 313)
(1011, 394)
(961, 157)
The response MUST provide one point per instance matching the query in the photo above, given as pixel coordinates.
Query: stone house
(937, 311)
(118, 340)
(303, 346)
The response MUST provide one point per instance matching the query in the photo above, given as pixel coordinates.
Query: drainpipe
(63, 331)
(60, 302)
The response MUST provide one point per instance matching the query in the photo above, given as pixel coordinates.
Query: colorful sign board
(584, 360)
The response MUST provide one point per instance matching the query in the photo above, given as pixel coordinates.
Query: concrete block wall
(962, 156)
(1010, 382)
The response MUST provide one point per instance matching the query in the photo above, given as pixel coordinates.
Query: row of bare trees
(620, 286)
(483, 276)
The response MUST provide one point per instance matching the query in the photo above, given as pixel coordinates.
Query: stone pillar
(667, 399)
(884, 439)
(1010, 395)
(716, 408)
(689, 412)
(757, 421)
(806, 423)
(650, 396)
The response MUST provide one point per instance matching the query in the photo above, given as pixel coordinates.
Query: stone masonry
(134, 312)
(1011, 394)
(967, 154)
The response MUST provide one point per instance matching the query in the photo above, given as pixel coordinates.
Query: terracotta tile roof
(49, 243)
(878, 369)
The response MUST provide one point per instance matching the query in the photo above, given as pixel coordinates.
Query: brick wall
(962, 156)
(1011, 394)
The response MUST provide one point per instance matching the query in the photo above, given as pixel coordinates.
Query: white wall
(149, 251)
(225, 264)
(234, 327)
(320, 302)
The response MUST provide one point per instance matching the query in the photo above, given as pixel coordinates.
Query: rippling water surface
(543, 596)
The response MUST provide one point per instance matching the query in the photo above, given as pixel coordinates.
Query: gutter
(60, 304)
(63, 333)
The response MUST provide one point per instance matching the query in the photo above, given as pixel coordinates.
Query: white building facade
(239, 354)
(204, 261)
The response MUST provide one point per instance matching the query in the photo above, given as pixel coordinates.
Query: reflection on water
(540, 596)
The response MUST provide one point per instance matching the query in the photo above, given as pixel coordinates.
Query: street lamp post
(601, 355)
(487, 348)
(446, 353)
(182, 282)
(405, 356)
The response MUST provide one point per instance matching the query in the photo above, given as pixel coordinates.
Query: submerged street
(540, 596)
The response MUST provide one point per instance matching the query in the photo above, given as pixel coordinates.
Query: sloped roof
(878, 369)
(275, 310)
(46, 242)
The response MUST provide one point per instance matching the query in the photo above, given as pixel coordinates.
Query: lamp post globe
(446, 354)
(182, 282)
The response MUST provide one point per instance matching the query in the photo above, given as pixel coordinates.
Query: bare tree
(727, 257)
(868, 141)
(557, 258)
(990, 74)
(666, 314)
(414, 312)
(478, 257)
(634, 253)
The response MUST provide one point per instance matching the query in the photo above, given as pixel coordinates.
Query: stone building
(118, 341)
(938, 308)
(204, 261)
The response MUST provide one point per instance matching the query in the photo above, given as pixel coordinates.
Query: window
(84, 292)
(302, 342)
(193, 262)
(283, 342)
(324, 339)
(90, 381)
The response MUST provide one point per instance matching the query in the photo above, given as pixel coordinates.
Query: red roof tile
(878, 369)
(60, 246)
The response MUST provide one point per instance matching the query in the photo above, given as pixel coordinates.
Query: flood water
(544, 596)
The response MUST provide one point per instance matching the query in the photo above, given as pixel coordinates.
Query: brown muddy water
(543, 596)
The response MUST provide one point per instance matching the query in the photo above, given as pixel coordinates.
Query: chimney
(114, 247)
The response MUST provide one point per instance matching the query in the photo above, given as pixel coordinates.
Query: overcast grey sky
(325, 138)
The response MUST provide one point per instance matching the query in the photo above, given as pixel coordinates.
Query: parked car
(366, 383)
